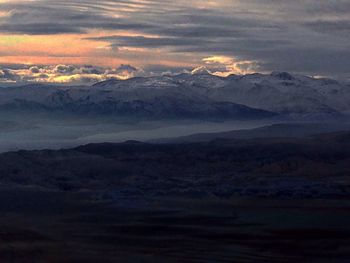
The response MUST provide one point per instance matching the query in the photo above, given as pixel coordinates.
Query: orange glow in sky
(225, 36)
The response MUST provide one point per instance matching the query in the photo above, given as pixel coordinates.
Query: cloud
(330, 27)
(298, 36)
(35, 17)
(87, 74)
(64, 69)
(34, 70)
(8, 76)
(125, 72)
(39, 29)
(67, 74)
(225, 66)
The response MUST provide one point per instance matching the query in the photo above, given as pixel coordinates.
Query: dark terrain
(227, 200)
(309, 166)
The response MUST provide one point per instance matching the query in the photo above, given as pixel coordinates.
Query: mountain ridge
(279, 92)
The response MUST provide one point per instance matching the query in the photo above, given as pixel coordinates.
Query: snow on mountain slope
(190, 95)
(286, 93)
(279, 91)
(156, 97)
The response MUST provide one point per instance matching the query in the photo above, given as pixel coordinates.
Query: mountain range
(199, 95)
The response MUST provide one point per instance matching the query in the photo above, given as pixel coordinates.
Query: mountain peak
(107, 82)
(200, 71)
(282, 75)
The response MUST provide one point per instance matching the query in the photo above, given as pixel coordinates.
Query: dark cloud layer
(306, 36)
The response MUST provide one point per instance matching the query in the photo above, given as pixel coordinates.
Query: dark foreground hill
(258, 200)
(288, 167)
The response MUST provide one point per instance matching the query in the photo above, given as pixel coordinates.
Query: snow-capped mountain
(140, 97)
(285, 93)
(189, 95)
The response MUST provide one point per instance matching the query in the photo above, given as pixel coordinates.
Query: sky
(82, 41)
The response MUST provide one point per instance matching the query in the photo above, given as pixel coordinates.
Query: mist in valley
(19, 131)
